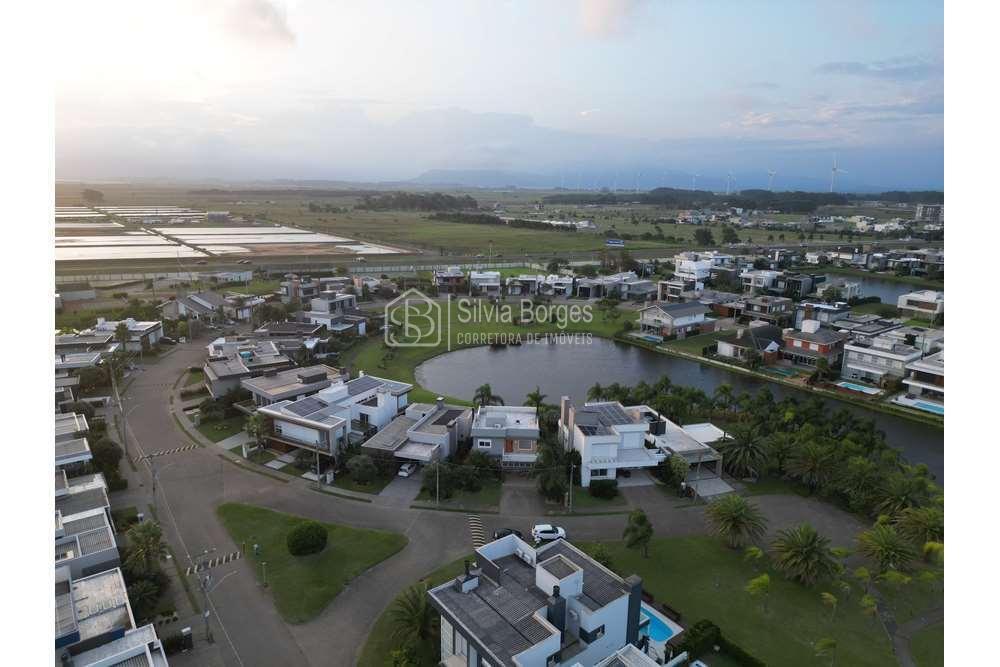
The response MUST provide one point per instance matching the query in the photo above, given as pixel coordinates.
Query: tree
(744, 455)
(597, 392)
(603, 556)
(883, 545)
(760, 588)
(254, 427)
(803, 555)
(822, 371)
(485, 396)
(142, 595)
(122, 334)
(638, 532)
(146, 547)
(703, 236)
(412, 617)
(869, 605)
(753, 554)
(826, 647)
(829, 600)
(724, 396)
(921, 524)
(106, 454)
(811, 464)
(362, 468)
(535, 398)
(550, 470)
(82, 407)
(736, 520)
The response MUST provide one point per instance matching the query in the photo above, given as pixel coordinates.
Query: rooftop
(679, 309)
(504, 416)
(137, 648)
(293, 382)
(100, 604)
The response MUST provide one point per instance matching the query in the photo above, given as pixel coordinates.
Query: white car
(544, 532)
(407, 469)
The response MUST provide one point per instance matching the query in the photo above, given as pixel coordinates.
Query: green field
(303, 586)
(927, 646)
(486, 499)
(701, 578)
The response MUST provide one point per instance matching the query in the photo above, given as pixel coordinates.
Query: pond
(887, 290)
(566, 369)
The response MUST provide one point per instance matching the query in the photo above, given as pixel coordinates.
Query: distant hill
(483, 178)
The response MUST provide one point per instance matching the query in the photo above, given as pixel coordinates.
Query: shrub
(604, 488)
(362, 468)
(701, 637)
(173, 643)
(308, 537)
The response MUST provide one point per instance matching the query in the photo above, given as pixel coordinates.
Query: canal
(566, 369)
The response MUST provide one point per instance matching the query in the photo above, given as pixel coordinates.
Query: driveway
(401, 490)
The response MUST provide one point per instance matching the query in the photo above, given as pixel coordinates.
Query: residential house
(484, 283)
(638, 289)
(816, 258)
(295, 288)
(550, 605)
(78, 343)
(141, 335)
(223, 277)
(139, 647)
(840, 288)
(91, 610)
(764, 340)
(66, 388)
(338, 312)
(85, 542)
(759, 281)
(423, 433)
(810, 343)
(922, 304)
(508, 433)
(929, 260)
(796, 285)
(239, 307)
(601, 287)
(877, 362)
(928, 340)
(697, 266)
(693, 443)
(775, 310)
(673, 319)
(525, 284)
(825, 313)
(864, 328)
(673, 290)
(289, 329)
(342, 413)
(450, 280)
(71, 447)
(292, 384)
(231, 359)
(202, 306)
(925, 378)
(557, 285)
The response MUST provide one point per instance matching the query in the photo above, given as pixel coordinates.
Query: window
(525, 446)
(484, 444)
(599, 472)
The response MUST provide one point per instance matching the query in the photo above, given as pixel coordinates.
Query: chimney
(555, 609)
(440, 402)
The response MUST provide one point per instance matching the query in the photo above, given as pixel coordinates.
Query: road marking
(476, 529)
(213, 562)
(172, 451)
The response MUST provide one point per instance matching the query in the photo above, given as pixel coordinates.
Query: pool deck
(659, 647)
(919, 404)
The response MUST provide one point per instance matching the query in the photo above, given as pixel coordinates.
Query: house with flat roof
(557, 285)
(142, 335)
(85, 542)
(539, 606)
(811, 342)
(928, 339)
(291, 384)
(777, 310)
(508, 433)
(525, 284)
(338, 312)
(74, 361)
(864, 328)
(287, 329)
(825, 313)
(484, 283)
(139, 647)
(449, 280)
(71, 447)
(673, 319)
(231, 359)
(424, 433)
(608, 436)
(922, 304)
(877, 362)
(91, 610)
(840, 289)
(925, 378)
(328, 420)
(758, 281)
(675, 289)
(76, 343)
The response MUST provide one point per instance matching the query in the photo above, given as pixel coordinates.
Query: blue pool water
(657, 630)
(929, 407)
(857, 387)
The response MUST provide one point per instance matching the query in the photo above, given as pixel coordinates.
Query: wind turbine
(694, 181)
(729, 182)
(834, 171)
(770, 179)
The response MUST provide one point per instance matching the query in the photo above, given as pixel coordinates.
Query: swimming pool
(858, 387)
(929, 407)
(657, 629)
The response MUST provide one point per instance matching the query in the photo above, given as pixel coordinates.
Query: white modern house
(291, 384)
(525, 284)
(540, 606)
(508, 433)
(142, 335)
(338, 312)
(925, 378)
(697, 266)
(484, 283)
(922, 304)
(424, 433)
(757, 281)
(877, 361)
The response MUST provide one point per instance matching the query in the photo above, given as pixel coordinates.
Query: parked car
(243, 261)
(167, 340)
(544, 532)
(407, 469)
(504, 532)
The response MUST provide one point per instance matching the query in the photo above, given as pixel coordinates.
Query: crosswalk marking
(213, 562)
(476, 529)
(171, 451)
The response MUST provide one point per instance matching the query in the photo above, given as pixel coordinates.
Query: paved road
(192, 482)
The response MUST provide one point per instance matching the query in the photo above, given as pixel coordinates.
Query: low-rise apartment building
(877, 362)
(508, 433)
(922, 304)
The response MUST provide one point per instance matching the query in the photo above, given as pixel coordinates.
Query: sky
(582, 93)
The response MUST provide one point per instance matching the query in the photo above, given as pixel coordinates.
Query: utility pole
(206, 580)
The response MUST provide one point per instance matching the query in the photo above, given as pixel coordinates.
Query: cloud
(762, 85)
(606, 18)
(259, 22)
(588, 112)
(895, 69)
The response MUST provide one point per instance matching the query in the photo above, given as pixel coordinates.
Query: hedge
(604, 488)
(703, 636)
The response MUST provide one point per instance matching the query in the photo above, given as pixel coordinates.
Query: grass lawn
(695, 344)
(582, 500)
(220, 430)
(912, 599)
(927, 646)
(487, 498)
(260, 456)
(375, 357)
(701, 578)
(346, 482)
(380, 644)
(194, 377)
(874, 308)
(303, 586)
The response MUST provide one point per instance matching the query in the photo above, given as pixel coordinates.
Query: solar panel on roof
(305, 407)
(362, 384)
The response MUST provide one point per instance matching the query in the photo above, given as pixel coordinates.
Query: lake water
(570, 370)
(886, 290)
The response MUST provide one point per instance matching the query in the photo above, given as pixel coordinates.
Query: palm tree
(803, 555)
(829, 600)
(760, 587)
(122, 334)
(744, 455)
(921, 524)
(596, 393)
(143, 595)
(724, 396)
(638, 532)
(146, 547)
(826, 647)
(886, 547)
(412, 617)
(864, 577)
(485, 396)
(780, 446)
(535, 398)
(811, 464)
(736, 520)
(869, 605)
